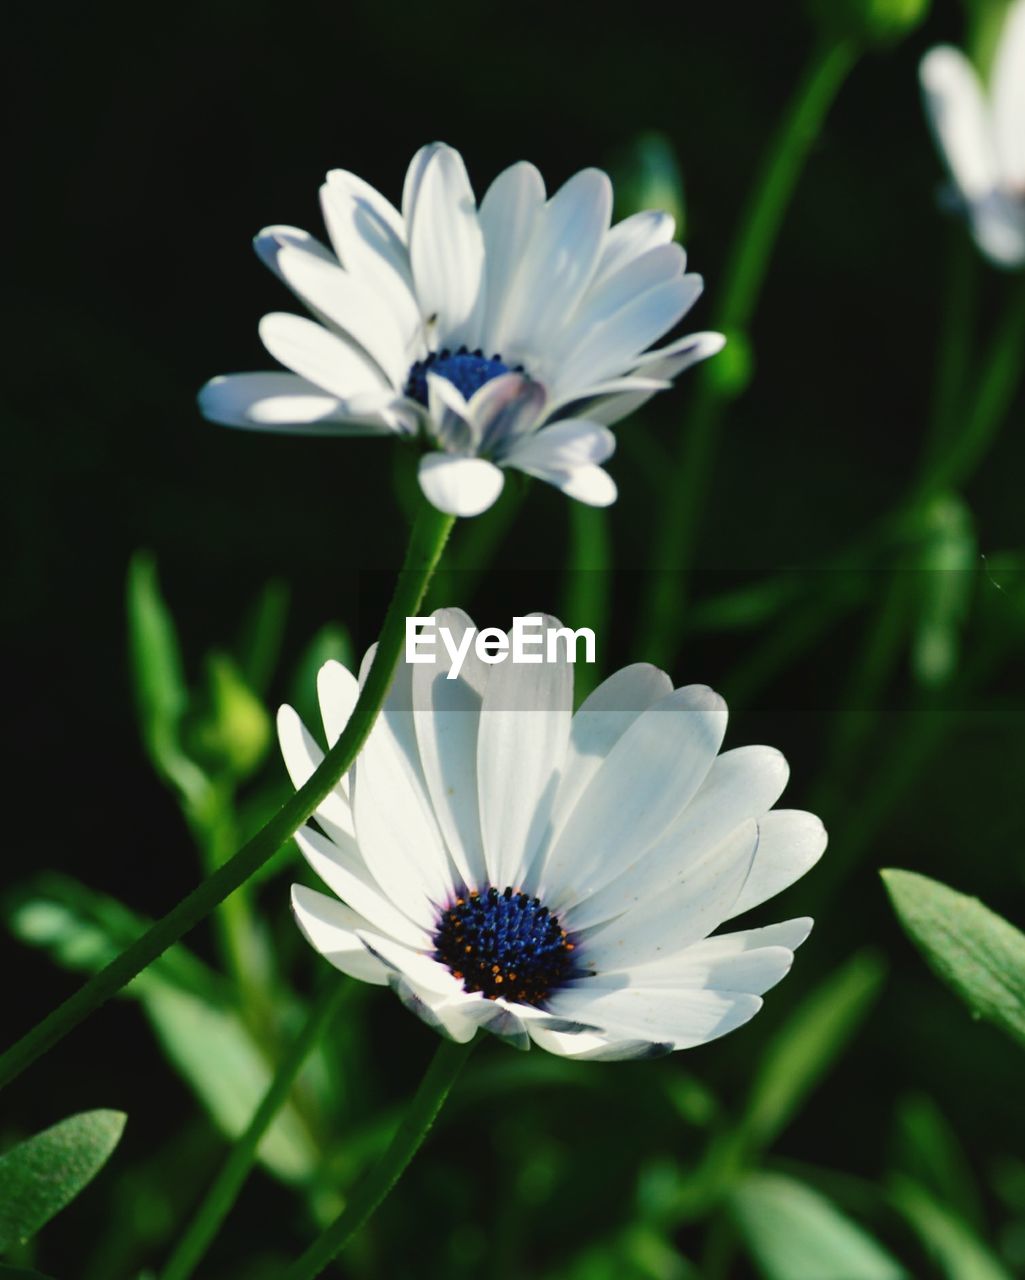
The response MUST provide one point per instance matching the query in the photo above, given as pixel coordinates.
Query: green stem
(229, 1182)
(430, 1097)
(426, 544)
(587, 593)
(742, 283)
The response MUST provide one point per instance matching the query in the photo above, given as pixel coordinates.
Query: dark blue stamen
(504, 944)
(466, 370)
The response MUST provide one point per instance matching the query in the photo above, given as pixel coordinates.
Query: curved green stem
(426, 543)
(229, 1182)
(742, 283)
(430, 1097)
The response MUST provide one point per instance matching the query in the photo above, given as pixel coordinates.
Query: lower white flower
(503, 863)
(982, 136)
(508, 335)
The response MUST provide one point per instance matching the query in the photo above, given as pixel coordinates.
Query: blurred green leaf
(927, 1150)
(946, 579)
(259, 645)
(45, 1172)
(331, 641)
(230, 729)
(202, 1035)
(793, 1233)
(946, 1237)
(975, 951)
(161, 694)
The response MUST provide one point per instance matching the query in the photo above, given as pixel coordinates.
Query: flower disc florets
(468, 371)
(504, 944)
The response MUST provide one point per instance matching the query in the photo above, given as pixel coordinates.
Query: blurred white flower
(982, 137)
(508, 335)
(505, 864)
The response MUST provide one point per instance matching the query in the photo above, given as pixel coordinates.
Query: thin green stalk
(229, 1182)
(430, 1097)
(954, 342)
(587, 594)
(745, 273)
(426, 543)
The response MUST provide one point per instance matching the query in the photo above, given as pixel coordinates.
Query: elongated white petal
(340, 865)
(1008, 94)
(630, 239)
(508, 215)
(447, 715)
(281, 402)
(326, 360)
(690, 910)
(566, 455)
(331, 929)
(504, 410)
(337, 692)
(524, 730)
(790, 843)
(682, 1018)
(594, 1046)
(447, 250)
(959, 117)
(460, 486)
(641, 787)
(665, 362)
(354, 307)
(424, 973)
(302, 757)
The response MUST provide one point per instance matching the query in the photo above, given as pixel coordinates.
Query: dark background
(147, 146)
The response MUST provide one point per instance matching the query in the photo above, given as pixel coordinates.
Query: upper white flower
(508, 335)
(982, 137)
(503, 863)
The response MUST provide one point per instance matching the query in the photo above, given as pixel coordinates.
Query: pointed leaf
(259, 645)
(975, 951)
(946, 1237)
(793, 1233)
(44, 1173)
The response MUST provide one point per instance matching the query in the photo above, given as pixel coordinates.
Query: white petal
(508, 215)
(424, 973)
(341, 867)
(449, 415)
(687, 912)
(504, 410)
(579, 402)
(441, 1014)
(302, 757)
(337, 693)
(446, 713)
(631, 238)
(524, 730)
(280, 402)
(959, 116)
(751, 961)
(641, 787)
(558, 266)
(330, 928)
(447, 250)
(1008, 94)
(566, 455)
(590, 1046)
(682, 1018)
(459, 486)
(998, 225)
(665, 362)
(395, 825)
(612, 346)
(355, 307)
(742, 784)
(326, 360)
(370, 239)
(590, 485)
(790, 843)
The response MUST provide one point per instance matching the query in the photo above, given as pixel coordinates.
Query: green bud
(732, 369)
(230, 729)
(646, 175)
(873, 21)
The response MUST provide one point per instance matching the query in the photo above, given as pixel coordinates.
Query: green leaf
(946, 1237)
(186, 1002)
(945, 577)
(793, 1233)
(161, 694)
(926, 1149)
(971, 948)
(44, 1173)
(259, 644)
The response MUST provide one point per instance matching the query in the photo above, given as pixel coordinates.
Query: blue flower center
(504, 944)
(466, 370)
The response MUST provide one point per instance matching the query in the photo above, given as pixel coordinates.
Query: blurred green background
(148, 147)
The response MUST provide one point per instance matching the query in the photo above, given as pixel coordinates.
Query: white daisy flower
(509, 335)
(982, 137)
(503, 863)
